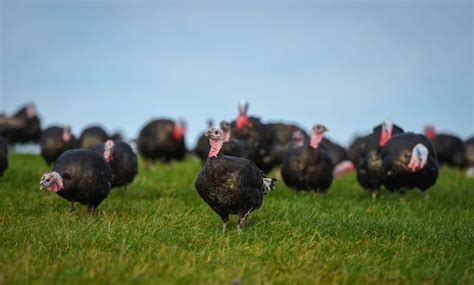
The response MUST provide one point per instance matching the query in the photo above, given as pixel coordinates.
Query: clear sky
(346, 64)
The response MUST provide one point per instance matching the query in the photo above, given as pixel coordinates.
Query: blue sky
(348, 65)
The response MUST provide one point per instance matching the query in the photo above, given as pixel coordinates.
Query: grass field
(160, 231)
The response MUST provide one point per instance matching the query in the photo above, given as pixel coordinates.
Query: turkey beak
(42, 185)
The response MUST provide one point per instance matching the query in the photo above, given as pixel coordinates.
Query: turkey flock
(236, 158)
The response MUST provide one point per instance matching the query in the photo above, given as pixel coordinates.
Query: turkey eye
(215, 132)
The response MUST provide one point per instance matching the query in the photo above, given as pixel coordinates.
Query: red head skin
(216, 139)
(67, 134)
(109, 150)
(179, 130)
(317, 135)
(242, 120)
(430, 132)
(386, 134)
(51, 181)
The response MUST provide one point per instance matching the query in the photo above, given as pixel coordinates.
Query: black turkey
(308, 166)
(369, 172)
(282, 135)
(79, 175)
(202, 147)
(409, 161)
(162, 140)
(256, 135)
(232, 146)
(23, 127)
(122, 161)
(91, 136)
(450, 149)
(231, 185)
(3, 155)
(54, 141)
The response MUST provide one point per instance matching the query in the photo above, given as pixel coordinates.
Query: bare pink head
(243, 119)
(387, 127)
(317, 135)
(67, 136)
(109, 150)
(179, 129)
(225, 126)
(31, 110)
(298, 138)
(419, 158)
(216, 139)
(430, 132)
(51, 181)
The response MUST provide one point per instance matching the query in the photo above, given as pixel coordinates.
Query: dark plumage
(24, 126)
(336, 152)
(409, 161)
(257, 135)
(281, 138)
(308, 167)
(369, 168)
(54, 141)
(162, 140)
(80, 175)
(232, 146)
(92, 136)
(3, 155)
(231, 185)
(354, 150)
(469, 146)
(202, 147)
(121, 159)
(450, 149)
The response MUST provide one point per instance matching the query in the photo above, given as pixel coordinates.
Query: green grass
(160, 231)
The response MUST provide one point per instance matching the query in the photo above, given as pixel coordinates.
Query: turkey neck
(316, 140)
(216, 146)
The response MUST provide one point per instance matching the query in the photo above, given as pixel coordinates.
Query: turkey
(409, 161)
(282, 135)
(3, 155)
(369, 168)
(162, 140)
(91, 136)
(23, 127)
(231, 185)
(79, 175)
(308, 167)
(122, 161)
(202, 147)
(450, 149)
(54, 141)
(234, 147)
(256, 135)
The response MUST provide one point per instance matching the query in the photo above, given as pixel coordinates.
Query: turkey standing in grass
(231, 185)
(369, 172)
(23, 127)
(162, 140)
(409, 161)
(54, 141)
(3, 155)
(450, 149)
(257, 135)
(122, 161)
(308, 167)
(92, 136)
(79, 175)
(234, 147)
